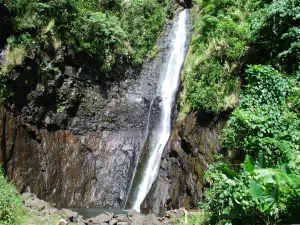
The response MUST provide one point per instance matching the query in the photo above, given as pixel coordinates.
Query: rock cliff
(73, 134)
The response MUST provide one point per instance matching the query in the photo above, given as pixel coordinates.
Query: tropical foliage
(264, 132)
(256, 195)
(104, 30)
(228, 35)
(11, 210)
(244, 57)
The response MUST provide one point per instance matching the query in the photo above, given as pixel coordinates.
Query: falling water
(3, 53)
(167, 91)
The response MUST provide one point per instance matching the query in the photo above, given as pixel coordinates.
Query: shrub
(11, 211)
(104, 30)
(275, 35)
(210, 77)
(143, 21)
(255, 196)
(34, 15)
(262, 124)
(100, 35)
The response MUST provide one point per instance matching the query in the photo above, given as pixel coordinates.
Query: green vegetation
(245, 56)
(255, 195)
(228, 35)
(11, 210)
(263, 124)
(266, 133)
(143, 33)
(194, 218)
(104, 30)
(275, 35)
(211, 78)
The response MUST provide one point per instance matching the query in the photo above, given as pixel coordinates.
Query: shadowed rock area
(187, 155)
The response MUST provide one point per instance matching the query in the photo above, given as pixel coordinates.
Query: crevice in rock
(186, 146)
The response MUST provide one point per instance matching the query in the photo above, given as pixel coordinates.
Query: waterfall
(167, 89)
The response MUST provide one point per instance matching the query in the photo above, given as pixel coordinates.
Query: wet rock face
(187, 155)
(74, 135)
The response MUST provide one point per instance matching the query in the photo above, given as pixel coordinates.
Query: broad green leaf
(255, 190)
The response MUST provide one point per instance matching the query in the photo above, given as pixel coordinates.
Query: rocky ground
(41, 212)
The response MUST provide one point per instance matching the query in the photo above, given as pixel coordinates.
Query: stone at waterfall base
(43, 213)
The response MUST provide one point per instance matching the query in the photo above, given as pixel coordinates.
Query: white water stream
(167, 91)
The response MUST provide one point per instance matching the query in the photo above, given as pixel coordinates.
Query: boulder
(136, 219)
(26, 196)
(69, 213)
(49, 210)
(103, 218)
(123, 223)
(132, 212)
(113, 222)
(122, 218)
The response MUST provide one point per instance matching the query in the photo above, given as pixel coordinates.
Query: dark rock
(185, 3)
(5, 26)
(188, 153)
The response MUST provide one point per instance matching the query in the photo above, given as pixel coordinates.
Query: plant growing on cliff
(104, 30)
(143, 21)
(100, 36)
(210, 78)
(11, 210)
